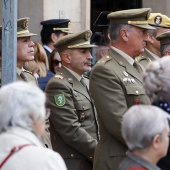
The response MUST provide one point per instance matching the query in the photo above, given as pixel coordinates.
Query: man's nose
(31, 44)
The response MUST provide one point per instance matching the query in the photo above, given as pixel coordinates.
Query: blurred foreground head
(22, 105)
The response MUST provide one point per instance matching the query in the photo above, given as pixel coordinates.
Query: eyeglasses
(56, 62)
(48, 112)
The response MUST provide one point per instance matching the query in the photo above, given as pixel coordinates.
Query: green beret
(135, 17)
(22, 28)
(164, 38)
(76, 40)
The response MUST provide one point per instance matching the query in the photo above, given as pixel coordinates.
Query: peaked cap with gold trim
(22, 28)
(76, 40)
(164, 38)
(135, 17)
(56, 25)
(159, 20)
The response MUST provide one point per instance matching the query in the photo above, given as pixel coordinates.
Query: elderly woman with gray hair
(22, 123)
(157, 85)
(145, 130)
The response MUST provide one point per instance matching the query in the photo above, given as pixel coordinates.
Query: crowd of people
(62, 113)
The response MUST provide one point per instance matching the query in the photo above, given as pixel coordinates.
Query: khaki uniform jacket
(134, 162)
(29, 77)
(33, 157)
(146, 58)
(115, 86)
(73, 126)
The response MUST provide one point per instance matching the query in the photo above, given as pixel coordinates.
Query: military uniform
(73, 125)
(26, 77)
(134, 162)
(115, 85)
(146, 58)
(162, 23)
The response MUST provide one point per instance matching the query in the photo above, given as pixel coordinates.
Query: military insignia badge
(87, 35)
(158, 20)
(125, 73)
(59, 99)
(25, 24)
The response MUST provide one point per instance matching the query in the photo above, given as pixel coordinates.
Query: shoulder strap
(13, 150)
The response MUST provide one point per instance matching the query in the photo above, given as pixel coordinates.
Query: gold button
(72, 155)
(107, 57)
(137, 92)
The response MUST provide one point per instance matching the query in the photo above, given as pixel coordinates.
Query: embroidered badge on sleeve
(59, 99)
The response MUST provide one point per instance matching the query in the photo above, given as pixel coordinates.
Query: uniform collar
(124, 55)
(78, 77)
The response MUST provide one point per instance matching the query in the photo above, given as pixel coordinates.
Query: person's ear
(151, 38)
(66, 57)
(167, 52)
(124, 34)
(156, 141)
(53, 37)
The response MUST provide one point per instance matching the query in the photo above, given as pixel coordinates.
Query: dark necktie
(137, 67)
(23, 76)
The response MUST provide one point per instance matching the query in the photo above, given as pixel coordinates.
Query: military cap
(164, 38)
(135, 17)
(159, 20)
(102, 20)
(76, 40)
(22, 28)
(54, 25)
(98, 39)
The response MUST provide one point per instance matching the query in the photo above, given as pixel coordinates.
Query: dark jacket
(42, 81)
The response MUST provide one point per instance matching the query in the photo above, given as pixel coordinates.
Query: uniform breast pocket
(136, 95)
(83, 109)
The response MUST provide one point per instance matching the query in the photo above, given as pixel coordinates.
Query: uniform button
(91, 157)
(137, 92)
(83, 107)
(82, 113)
(72, 155)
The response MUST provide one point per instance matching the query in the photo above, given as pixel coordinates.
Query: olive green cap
(76, 40)
(164, 38)
(159, 20)
(22, 28)
(135, 17)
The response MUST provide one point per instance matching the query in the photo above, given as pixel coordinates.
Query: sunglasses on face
(56, 62)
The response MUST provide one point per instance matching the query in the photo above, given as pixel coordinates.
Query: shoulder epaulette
(59, 75)
(104, 59)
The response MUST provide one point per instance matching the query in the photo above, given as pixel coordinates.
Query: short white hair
(141, 123)
(21, 104)
(156, 79)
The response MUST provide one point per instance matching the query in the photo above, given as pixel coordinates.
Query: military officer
(73, 123)
(51, 31)
(116, 83)
(161, 23)
(25, 50)
(164, 39)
